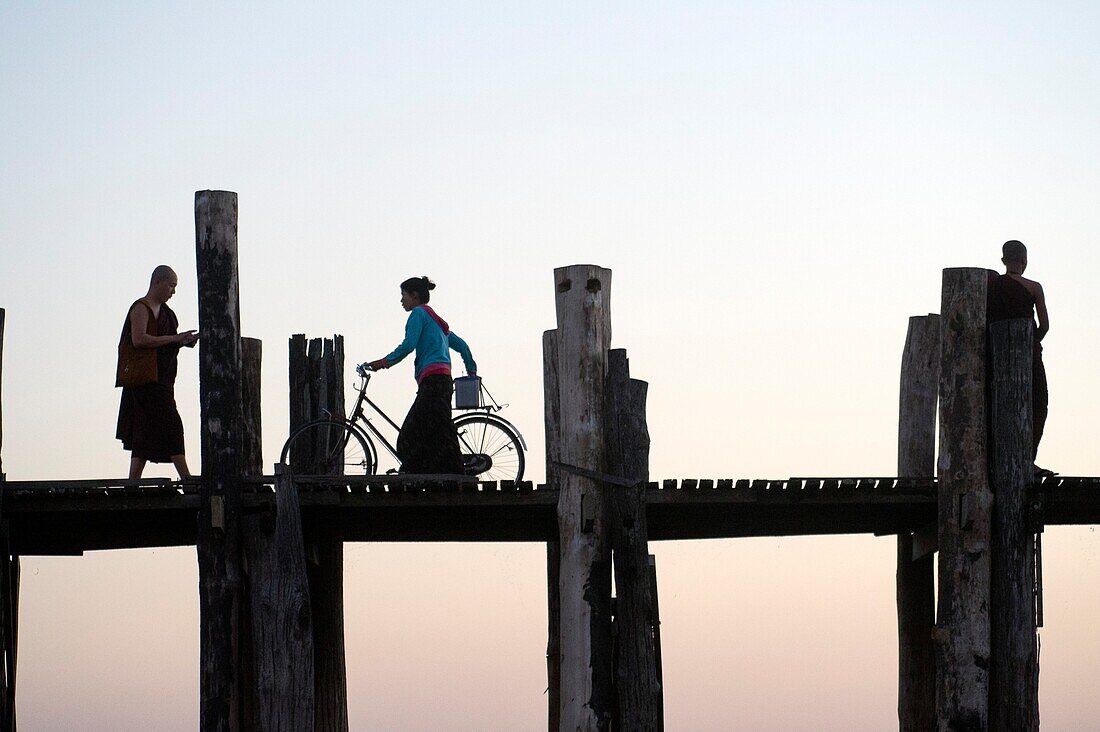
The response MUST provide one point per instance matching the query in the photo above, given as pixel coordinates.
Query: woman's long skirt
(428, 442)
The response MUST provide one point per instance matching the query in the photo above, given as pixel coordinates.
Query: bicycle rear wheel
(491, 446)
(330, 447)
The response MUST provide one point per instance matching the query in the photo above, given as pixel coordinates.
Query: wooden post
(583, 334)
(253, 464)
(552, 412)
(657, 642)
(2, 316)
(282, 625)
(627, 446)
(221, 440)
(316, 384)
(9, 586)
(920, 375)
(1014, 675)
(326, 571)
(965, 508)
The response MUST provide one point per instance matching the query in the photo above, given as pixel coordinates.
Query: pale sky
(776, 187)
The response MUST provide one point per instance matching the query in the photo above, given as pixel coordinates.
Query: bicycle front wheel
(329, 447)
(491, 446)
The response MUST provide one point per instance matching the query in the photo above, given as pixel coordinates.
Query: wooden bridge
(270, 547)
(50, 518)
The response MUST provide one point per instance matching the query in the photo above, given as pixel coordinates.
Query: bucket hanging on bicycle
(468, 392)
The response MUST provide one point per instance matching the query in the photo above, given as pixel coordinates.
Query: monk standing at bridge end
(1012, 295)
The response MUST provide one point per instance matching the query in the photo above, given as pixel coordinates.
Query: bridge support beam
(920, 373)
(552, 420)
(965, 508)
(9, 586)
(218, 543)
(637, 683)
(252, 462)
(317, 384)
(1014, 675)
(582, 294)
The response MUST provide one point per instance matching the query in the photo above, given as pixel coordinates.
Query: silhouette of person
(1011, 295)
(149, 424)
(428, 442)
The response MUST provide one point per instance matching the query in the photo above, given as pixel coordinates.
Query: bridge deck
(70, 517)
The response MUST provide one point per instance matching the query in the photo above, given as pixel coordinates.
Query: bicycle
(492, 447)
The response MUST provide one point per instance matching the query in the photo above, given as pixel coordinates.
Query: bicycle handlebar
(363, 369)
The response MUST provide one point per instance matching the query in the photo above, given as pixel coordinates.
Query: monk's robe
(149, 424)
(1009, 299)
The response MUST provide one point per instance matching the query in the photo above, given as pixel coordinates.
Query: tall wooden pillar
(9, 586)
(920, 374)
(252, 464)
(2, 317)
(583, 335)
(552, 413)
(965, 508)
(637, 686)
(1014, 675)
(219, 553)
(317, 384)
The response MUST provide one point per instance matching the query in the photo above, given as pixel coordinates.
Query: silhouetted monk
(1012, 295)
(149, 424)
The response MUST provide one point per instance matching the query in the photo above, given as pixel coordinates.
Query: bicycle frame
(359, 416)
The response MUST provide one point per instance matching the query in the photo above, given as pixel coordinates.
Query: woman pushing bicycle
(428, 442)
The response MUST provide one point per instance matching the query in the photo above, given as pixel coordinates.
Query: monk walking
(1012, 295)
(149, 424)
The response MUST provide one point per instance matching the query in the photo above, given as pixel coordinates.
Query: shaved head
(161, 273)
(1014, 251)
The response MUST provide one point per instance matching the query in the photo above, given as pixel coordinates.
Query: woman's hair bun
(428, 282)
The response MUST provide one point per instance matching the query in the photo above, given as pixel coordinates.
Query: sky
(776, 187)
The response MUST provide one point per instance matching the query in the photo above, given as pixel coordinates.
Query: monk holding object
(149, 424)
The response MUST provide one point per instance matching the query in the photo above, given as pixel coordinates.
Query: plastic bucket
(468, 392)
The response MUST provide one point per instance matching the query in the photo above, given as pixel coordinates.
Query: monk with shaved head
(149, 424)
(1012, 295)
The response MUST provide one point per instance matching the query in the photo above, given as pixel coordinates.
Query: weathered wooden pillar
(657, 663)
(316, 384)
(552, 412)
(1014, 674)
(282, 626)
(965, 508)
(627, 443)
(920, 375)
(9, 585)
(252, 464)
(219, 553)
(2, 317)
(583, 336)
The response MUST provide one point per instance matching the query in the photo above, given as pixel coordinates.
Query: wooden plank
(552, 423)
(582, 304)
(920, 371)
(1014, 673)
(221, 442)
(965, 501)
(627, 444)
